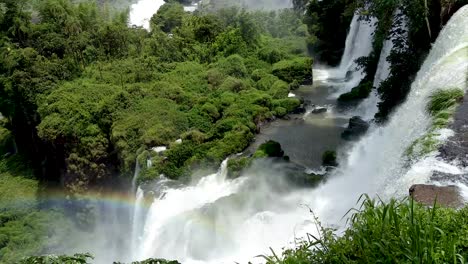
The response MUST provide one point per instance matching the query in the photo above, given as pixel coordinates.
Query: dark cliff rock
(356, 128)
(319, 110)
(456, 147)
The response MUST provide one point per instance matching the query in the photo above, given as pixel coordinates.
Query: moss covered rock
(359, 92)
(269, 149)
(329, 158)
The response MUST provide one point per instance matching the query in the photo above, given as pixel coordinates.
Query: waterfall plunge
(369, 107)
(219, 220)
(358, 44)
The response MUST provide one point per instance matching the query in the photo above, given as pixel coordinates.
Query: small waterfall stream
(399, 31)
(358, 44)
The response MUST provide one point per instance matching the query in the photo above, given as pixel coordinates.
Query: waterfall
(358, 44)
(136, 173)
(156, 237)
(369, 107)
(138, 218)
(142, 11)
(378, 158)
(218, 220)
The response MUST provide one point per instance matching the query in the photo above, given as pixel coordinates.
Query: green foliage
(168, 17)
(52, 259)
(237, 165)
(232, 65)
(82, 259)
(269, 149)
(288, 103)
(444, 100)
(24, 229)
(266, 81)
(85, 95)
(233, 84)
(394, 89)
(7, 144)
(359, 92)
(441, 107)
(156, 261)
(16, 190)
(327, 23)
(279, 90)
(298, 69)
(230, 42)
(393, 232)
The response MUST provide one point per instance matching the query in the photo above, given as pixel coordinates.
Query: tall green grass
(441, 106)
(393, 232)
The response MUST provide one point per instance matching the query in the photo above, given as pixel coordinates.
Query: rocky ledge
(453, 151)
(456, 147)
(447, 196)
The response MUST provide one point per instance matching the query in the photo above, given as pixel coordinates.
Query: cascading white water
(136, 173)
(369, 107)
(358, 44)
(219, 220)
(156, 239)
(142, 11)
(137, 221)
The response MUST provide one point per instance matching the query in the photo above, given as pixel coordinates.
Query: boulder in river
(319, 110)
(447, 196)
(356, 128)
(299, 111)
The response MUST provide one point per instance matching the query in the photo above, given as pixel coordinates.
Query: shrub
(279, 90)
(258, 74)
(53, 259)
(299, 69)
(266, 82)
(280, 111)
(211, 110)
(237, 165)
(233, 85)
(271, 55)
(215, 77)
(288, 103)
(269, 149)
(232, 65)
(359, 92)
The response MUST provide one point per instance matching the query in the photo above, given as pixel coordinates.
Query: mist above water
(142, 11)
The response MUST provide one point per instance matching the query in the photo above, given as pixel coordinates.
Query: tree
(168, 17)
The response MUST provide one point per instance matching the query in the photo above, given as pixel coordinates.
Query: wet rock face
(456, 147)
(356, 128)
(319, 110)
(440, 176)
(447, 196)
